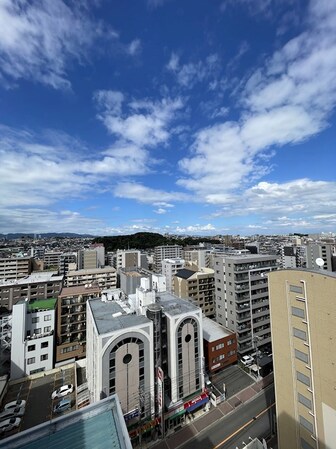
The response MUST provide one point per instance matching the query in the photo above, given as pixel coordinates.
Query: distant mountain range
(46, 235)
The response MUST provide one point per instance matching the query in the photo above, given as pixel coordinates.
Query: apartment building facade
(71, 321)
(15, 267)
(242, 299)
(128, 258)
(303, 317)
(36, 286)
(197, 286)
(324, 251)
(165, 252)
(169, 268)
(102, 277)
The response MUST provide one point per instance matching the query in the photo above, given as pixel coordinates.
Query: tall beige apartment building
(303, 320)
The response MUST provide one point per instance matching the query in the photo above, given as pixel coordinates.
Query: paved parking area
(37, 393)
(234, 378)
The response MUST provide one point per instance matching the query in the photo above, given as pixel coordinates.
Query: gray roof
(100, 426)
(213, 331)
(173, 305)
(105, 321)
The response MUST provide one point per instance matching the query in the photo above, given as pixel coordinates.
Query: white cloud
(134, 47)
(147, 122)
(160, 211)
(143, 194)
(195, 229)
(285, 102)
(38, 39)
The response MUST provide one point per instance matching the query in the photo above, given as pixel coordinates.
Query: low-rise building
(33, 326)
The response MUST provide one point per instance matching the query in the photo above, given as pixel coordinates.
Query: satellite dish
(319, 262)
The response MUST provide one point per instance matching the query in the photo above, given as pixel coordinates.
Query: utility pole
(256, 338)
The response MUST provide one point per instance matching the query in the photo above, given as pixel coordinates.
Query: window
(47, 329)
(31, 348)
(303, 378)
(229, 342)
(47, 317)
(35, 319)
(44, 357)
(305, 445)
(300, 334)
(295, 289)
(306, 424)
(305, 401)
(301, 356)
(45, 344)
(31, 360)
(37, 331)
(296, 311)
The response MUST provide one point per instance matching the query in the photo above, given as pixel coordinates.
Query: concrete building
(165, 252)
(293, 256)
(71, 321)
(199, 257)
(103, 277)
(87, 259)
(324, 251)
(52, 259)
(99, 425)
(303, 315)
(169, 268)
(100, 250)
(242, 302)
(151, 358)
(36, 286)
(15, 267)
(220, 346)
(33, 326)
(130, 279)
(128, 258)
(197, 286)
(66, 262)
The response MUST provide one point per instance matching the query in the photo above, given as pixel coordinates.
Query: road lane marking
(243, 427)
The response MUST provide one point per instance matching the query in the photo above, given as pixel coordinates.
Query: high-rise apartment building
(102, 277)
(324, 251)
(128, 258)
(165, 252)
(197, 286)
(303, 316)
(87, 259)
(169, 268)
(241, 298)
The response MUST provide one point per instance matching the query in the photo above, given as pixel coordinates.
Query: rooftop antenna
(320, 262)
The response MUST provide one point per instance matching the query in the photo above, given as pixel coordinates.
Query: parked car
(247, 360)
(62, 391)
(14, 404)
(9, 424)
(62, 406)
(17, 411)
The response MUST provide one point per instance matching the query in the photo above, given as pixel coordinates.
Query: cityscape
(167, 224)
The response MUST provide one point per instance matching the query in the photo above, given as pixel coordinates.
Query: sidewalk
(202, 419)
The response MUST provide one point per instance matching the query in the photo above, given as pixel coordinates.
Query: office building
(241, 296)
(71, 321)
(198, 287)
(220, 346)
(169, 268)
(32, 345)
(165, 252)
(36, 286)
(303, 316)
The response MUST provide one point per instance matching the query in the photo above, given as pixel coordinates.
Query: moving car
(17, 411)
(9, 424)
(64, 404)
(14, 404)
(62, 391)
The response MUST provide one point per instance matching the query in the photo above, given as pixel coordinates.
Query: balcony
(36, 336)
(243, 317)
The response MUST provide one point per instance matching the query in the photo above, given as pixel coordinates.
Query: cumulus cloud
(286, 101)
(145, 124)
(143, 194)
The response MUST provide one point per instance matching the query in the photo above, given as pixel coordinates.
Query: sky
(191, 117)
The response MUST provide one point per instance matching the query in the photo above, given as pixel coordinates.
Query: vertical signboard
(160, 393)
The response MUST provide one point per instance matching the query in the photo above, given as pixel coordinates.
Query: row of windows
(32, 360)
(36, 319)
(69, 349)
(44, 344)
(38, 330)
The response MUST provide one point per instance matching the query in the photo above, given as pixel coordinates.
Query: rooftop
(42, 304)
(108, 319)
(100, 425)
(79, 290)
(184, 273)
(48, 276)
(213, 331)
(173, 305)
(92, 271)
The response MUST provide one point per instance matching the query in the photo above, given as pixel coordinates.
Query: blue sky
(180, 116)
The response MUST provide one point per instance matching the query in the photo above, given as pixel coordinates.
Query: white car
(62, 391)
(14, 404)
(247, 360)
(9, 413)
(9, 424)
